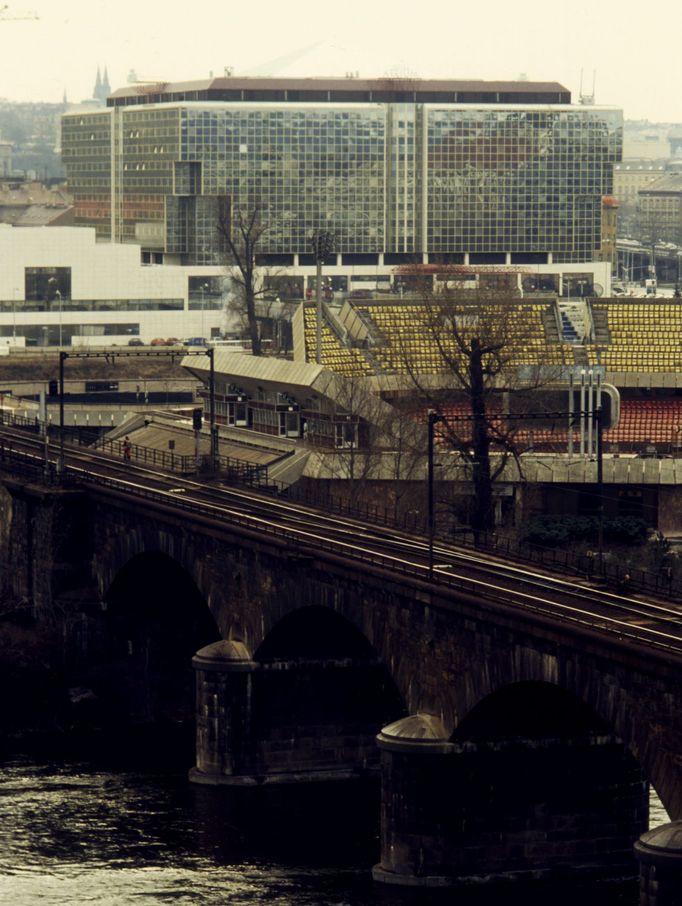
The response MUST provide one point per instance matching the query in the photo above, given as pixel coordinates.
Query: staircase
(549, 323)
(600, 319)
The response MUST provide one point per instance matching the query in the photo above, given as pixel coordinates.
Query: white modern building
(61, 287)
(58, 286)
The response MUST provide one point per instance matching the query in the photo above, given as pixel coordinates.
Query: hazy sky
(173, 40)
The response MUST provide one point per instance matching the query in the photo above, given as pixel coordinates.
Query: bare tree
(379, 449)
(242, 233)
(477, 344)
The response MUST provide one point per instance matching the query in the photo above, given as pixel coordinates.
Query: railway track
(656, 624)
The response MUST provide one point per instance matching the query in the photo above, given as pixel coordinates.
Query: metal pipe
(600, 484)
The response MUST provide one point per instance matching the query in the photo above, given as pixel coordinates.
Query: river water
(75, 832)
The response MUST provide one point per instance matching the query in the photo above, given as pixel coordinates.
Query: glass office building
(426, 171)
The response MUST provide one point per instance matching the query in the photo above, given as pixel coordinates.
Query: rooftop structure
(30, 203)
(343, 90)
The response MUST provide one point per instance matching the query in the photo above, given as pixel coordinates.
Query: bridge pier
(224, 679)
(659, 853)
(455, 812)
(45, 544)
(284, 721)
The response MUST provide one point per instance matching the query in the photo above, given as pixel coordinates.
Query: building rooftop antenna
(587, 99)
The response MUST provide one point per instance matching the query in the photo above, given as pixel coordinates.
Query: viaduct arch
(444, 673)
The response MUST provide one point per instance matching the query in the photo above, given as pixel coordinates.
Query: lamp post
(14, 316)
(432, 419)
(323, 244)
(203, 288)
(211, 407)
(59, 296)
(57, 292)
(60, 458)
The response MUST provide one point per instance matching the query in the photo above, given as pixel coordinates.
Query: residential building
(632, 175)
(660, 209)
(26, 202)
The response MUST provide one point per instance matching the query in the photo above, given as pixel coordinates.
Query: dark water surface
(94, 833)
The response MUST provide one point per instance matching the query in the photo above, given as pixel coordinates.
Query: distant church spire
(102, 87)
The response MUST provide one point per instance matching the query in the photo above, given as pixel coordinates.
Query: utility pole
(213, 428)
(323, 243)
(432, 419)
(60, 459)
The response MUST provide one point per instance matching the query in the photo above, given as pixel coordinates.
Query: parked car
(136, 341)
(158, 341)
(173, 341)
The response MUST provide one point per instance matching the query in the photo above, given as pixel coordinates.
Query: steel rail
(314, 542)
(298, 536)
(413, 544)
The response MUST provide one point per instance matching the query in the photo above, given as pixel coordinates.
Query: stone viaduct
(507, 744)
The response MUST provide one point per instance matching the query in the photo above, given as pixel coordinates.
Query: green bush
(555, 530)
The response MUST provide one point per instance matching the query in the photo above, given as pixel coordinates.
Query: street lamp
(53, 280)
(203, 288)
(14, 316)
(59, 296)
(213, 428)
(323, 244)
(60, 459)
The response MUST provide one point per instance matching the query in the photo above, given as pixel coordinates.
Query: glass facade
(47, 285)
(386, 178)
(86, 155)
(515, 180)
(53, 303)
(302, 167)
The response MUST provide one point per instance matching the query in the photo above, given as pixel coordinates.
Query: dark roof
(343, 89)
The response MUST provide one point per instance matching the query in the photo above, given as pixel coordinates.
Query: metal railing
(666, 583)
(488, 588)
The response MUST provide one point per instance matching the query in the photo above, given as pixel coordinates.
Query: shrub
(555, 530)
